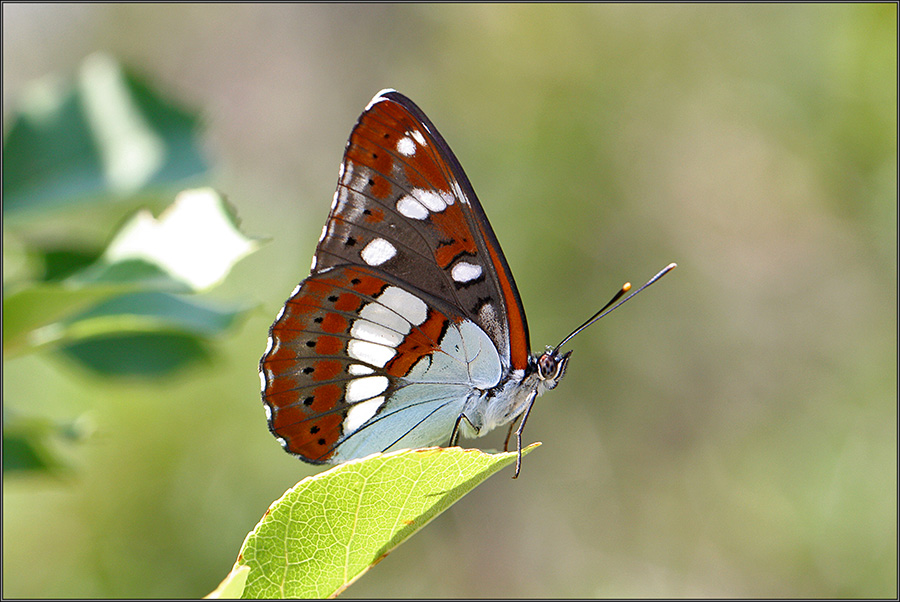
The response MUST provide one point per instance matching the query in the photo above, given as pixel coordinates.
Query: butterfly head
(550, 368)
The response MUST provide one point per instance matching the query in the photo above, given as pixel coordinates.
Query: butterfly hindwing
(356, 355)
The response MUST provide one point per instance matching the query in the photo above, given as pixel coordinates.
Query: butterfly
(409, 331)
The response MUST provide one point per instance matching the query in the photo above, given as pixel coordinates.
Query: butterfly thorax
(505, 402)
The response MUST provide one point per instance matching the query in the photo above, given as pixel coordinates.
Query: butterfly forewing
(410, 307)
(404, 205)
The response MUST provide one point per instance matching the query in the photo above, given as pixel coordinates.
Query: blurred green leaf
(41, 305)
(28, 444)
(138, 273)
(61, 263)
(143, 334)
(153, 311)
(109, 135)
(139, 354)
(30, 313)
(195, 240)
(26, 451)
(329, 529)
(193, 245)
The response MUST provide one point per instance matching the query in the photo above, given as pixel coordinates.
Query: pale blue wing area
(423, 406)
(418, 415)
(467, 356)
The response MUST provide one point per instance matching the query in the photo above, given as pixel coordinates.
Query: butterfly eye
(547, 365)
(552, 366)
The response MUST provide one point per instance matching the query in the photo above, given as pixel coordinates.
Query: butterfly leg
(509, 433)
(521, 428)
(454, 436)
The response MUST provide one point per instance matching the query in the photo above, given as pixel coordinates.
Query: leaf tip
(233, 585)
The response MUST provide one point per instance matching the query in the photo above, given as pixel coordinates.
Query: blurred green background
(732, 432)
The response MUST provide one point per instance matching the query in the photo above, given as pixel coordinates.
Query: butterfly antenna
(606, 309)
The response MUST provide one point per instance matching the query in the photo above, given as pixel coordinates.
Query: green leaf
(143, 334)
(232, 587)
(60, 263)
(26, 451)
(191, 246)
(29, 443)
(329, 529)
(142, 354)
(110, 135)
(29, 314)
(150, 312)
(195, 240)
(139, 273)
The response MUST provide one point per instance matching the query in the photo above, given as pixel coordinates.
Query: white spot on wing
(270, 344)
(465, 272)
(406, 304)
(419, 137)
(411, 208)
(359, 370)
(375, 312)
(365, 388)
(268, 412)
(360, 413)
(281, 312)
(371, 353)
(262, 384)
(377, 252)
(375, 333)
(406, 147)
(432, 201)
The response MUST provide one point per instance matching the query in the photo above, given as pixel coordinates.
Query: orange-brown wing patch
(420, 342)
